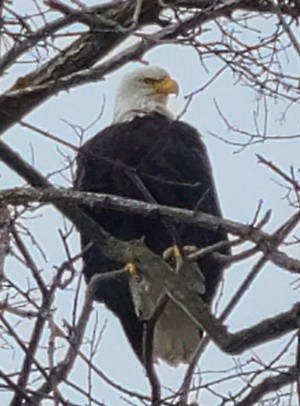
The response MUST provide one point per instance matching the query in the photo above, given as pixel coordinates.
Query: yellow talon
(173, 256)
(132, 269)
(172, 253)
(177, 253)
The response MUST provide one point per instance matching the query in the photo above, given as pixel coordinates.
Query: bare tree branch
(60, 372)
(265, 242)
(4, 237)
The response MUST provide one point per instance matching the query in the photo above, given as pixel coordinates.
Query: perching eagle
(171, 163)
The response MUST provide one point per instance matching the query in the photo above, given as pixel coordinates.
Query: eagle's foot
(175, 255)
(132, 270)
(172, 254)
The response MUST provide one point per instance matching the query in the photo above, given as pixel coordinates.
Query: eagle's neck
(137, 107)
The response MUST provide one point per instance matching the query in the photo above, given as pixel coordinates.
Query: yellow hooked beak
(166, 86)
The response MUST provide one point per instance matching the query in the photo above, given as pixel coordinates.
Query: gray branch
(4, 237)
(264, 241)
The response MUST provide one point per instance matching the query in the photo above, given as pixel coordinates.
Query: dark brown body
(171, 161)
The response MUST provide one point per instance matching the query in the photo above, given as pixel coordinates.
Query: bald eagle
(172, 165)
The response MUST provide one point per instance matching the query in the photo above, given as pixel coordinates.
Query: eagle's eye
(149, 81)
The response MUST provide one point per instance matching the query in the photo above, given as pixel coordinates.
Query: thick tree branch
(82, 54)
(111, 27)
(266, 242)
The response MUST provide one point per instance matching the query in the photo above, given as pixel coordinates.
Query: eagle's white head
(143, 91)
